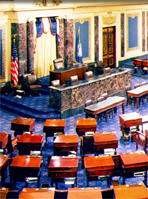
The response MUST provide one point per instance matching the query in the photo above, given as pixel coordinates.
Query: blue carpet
(39, 107)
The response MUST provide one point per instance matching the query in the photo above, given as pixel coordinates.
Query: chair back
(14, 194)
(105, 95)
(74, 78)
(60, 194)
(31, 79)
(58, 63)
(88, 144)
(55, 83)
(88, 74)
(136, 85)
(88, 102)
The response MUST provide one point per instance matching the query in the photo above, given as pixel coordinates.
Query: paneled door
(109, 58)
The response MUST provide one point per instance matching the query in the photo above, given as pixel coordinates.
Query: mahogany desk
(53, 125)
(3, 140)
(141, 64)
(20, 125)
(85, 125)
(138, 191)
(62, 167)
(3, 192)
(3, 166)
(105, 140)
(64, 74)
(96, 166)
(23, 166)
(30, 142)
(128, 120)
(65, 143)
(134, 162)
(137, 93)
(84, 193)
(34, 193)
(110, 102)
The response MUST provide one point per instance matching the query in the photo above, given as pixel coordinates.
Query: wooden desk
(128, 120)
(65, 143)
(3, 167)
(53, 125)
(110, 102)
(134, 162)
(137, 93)
(3, 192)
(105, 140)
(34, 193)
(84, 193)
(20, 125)
(132, 192)
(98, 166)
(29, 142)
(141, 63)
(62, 167)
(3, 140)
(23, 166)
(85, 125)
(64, 74)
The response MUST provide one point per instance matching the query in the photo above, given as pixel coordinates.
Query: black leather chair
(87, 145)
(58, 63)
(33, 85)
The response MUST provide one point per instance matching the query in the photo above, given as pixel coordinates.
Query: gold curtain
(45, 51)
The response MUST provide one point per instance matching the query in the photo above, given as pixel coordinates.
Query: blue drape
(39, 27)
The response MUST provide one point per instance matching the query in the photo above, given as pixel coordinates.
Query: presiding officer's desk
(69, 99)
(64, 74)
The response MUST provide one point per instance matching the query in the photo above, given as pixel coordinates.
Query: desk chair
(88, 102)
(58, 63)
(55, 83)
(33, 85)
(139, 139)
(88, 74)
(60, 194)
(87, 145)
(14, 194)
(107, 193)
(74, 79)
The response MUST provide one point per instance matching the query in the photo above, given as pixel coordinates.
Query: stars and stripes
(14, 65)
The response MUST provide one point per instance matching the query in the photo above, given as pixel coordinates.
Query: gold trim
(121, 83)
(108, 20)
(78, 97)
(81, 21)
(132, 15)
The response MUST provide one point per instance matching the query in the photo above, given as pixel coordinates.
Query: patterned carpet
(41, 104)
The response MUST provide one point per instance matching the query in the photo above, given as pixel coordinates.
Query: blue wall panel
(132, 32)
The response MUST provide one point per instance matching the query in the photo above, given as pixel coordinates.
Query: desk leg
(137, 102)
(123, 108)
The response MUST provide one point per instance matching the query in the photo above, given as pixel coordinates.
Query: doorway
(109, 48)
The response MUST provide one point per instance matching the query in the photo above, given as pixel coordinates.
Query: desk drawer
(99, 173)
(62, 174)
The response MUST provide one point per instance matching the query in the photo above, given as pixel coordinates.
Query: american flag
(14, 65)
